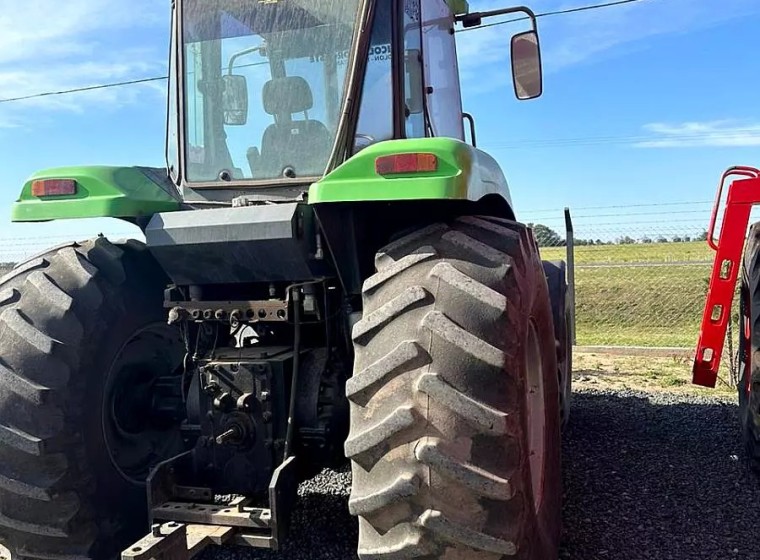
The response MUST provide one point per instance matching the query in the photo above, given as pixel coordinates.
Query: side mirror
(526, 65)
(235, 100)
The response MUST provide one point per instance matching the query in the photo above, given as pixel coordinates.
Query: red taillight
(406, 163)
(54, 187)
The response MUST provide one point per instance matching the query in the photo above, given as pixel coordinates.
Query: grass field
(695, 251)
(628, 295)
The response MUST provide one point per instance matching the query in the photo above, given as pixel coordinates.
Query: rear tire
(455, 435)
(72, 454)
(749, 347)
(556, 279)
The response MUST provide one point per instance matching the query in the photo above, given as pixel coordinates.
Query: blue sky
(644, 104)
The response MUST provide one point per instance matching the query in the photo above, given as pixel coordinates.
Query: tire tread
(45, 479)
(419, 487)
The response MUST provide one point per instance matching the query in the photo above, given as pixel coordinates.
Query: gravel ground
(658, 476)
(647, 476)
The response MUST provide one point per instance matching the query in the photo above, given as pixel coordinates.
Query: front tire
(83, 338)
(455, 438)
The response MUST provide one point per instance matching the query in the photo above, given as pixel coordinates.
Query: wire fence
(641, 274)
(641, 277)
(636, 288)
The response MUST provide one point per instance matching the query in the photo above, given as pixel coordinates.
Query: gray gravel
(658, 476)
(647, 476)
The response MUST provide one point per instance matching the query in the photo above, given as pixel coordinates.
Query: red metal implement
(742, 195)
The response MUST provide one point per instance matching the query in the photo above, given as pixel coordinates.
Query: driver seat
(302, 145)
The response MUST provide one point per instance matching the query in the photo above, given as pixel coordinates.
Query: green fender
(463, 173)
(102, 192)
(459, 7)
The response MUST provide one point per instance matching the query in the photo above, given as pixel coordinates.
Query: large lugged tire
(749, 348)
(73, 321)
(455, 435)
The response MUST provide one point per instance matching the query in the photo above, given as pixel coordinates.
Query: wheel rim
(142, 404)
(536, 414)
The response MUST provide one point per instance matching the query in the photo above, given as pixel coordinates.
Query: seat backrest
(304, 144)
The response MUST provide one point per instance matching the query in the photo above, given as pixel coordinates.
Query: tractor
(729, 266)
(331, 271)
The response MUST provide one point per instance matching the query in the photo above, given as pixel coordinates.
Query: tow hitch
(185, 520)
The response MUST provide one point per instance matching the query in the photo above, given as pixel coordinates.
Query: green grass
(639, 305)
(653, 252)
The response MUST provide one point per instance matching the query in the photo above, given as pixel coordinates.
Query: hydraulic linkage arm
(743, 193)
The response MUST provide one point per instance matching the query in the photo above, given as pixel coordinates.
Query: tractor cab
(282, 92)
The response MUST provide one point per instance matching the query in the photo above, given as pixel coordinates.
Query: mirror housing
(526, 65)
(235, 100)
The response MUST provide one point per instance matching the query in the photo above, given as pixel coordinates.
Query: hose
(294, 379)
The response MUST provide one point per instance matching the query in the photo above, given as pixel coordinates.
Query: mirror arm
(238, 55)
(475, 19)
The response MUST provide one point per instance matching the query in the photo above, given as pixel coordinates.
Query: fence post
(570, 246)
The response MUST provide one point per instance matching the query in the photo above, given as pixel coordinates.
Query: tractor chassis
(251, 408)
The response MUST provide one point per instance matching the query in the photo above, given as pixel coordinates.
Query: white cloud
(587, 37)
(721, 133)
(48, 45)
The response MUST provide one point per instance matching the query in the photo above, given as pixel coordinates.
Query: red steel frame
(742, 195)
